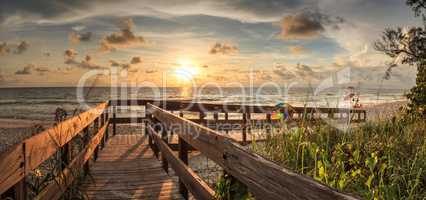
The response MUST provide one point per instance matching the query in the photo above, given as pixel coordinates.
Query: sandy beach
(12, 131)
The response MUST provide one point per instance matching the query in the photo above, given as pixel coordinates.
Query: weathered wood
(164, 137)
(244, 129)
(187, 105)
(183, 156)
(41, 146)
(127, 169)
(114, 120)
(20, 190)
(12, 167)
(86, 140)
(55, 189)
(192, 181)
(271, 182)
(128, 120)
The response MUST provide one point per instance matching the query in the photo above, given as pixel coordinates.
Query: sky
(59, 43)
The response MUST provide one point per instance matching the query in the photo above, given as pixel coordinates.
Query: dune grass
(377, 160)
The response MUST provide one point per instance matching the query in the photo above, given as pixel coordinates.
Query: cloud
(69, 56)
(284, 72)
(86, 63)
(30, 68)
(127, 66)
(4, 49)
(266, 8)
(18, 48)
(224, 49)
(76, 37)
(41, 9)
(26, 70)
(150, 71)
(307, 25)
(298, 71)
(298, 49)
(21, 48)
(123, 39)
(135, 60)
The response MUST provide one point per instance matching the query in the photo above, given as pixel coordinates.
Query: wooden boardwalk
(127, 169)
(122, 165)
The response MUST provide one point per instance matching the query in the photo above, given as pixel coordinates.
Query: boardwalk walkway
(127, 169)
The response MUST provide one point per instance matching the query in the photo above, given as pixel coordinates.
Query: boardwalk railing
(23, 158)
(264, 179)
(354, 114)
(221, 120)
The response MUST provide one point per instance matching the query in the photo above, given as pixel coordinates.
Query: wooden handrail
(271, 182)
(55, 189)
(24, 157)
(192, 181)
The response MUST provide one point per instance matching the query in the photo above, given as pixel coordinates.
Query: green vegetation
(378, 160)
(227, 188)
(408, 46)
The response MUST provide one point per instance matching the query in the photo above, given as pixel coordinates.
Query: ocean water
(41, 103)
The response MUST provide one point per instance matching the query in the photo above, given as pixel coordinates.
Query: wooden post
(65, 155)
(365, 115)
(216, 119)
(156, 129)
(95, 131)
(359, 116)
(249, 123)
(244, 126)
(226, 122)
(114, 117)
(183, 155)
(20, 190)
(164, 162)
(202, 116)
(268, 123)
(86, 139)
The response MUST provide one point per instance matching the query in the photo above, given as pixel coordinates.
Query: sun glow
(186, 71)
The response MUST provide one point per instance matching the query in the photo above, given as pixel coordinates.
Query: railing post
(65, 155)
(244, 133)
(95, 131)
(106, 120)
(164, 134)
(268, 123)
(156, 129)
(183, 155)
(114, 116)
(227, 122)
(20, 190)
(86, 139)
(216, 119)
(202, 116)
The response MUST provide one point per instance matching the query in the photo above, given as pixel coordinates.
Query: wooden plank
(55, 189)
(11, 167)
(41, 146)
(192, 181)
(120, 176)
(265, 179)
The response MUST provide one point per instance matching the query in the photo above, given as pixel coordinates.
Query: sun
(186, 70)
